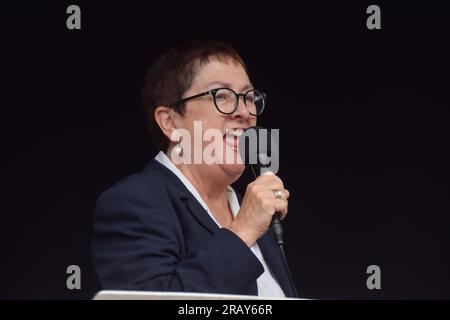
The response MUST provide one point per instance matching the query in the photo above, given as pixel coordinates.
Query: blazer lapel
(275, 262)
(200, 214)
(191, 203)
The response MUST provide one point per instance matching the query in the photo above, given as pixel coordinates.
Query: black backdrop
(363, 118)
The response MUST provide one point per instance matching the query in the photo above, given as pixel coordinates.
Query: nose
(241, 110)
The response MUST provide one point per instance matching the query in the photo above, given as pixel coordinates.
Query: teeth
(237, 132)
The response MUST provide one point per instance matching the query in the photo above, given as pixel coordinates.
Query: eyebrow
(227, 85)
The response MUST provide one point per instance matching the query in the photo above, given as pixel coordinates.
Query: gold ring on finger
(278, 194)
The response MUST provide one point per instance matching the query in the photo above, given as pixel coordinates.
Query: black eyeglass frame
(213, 94)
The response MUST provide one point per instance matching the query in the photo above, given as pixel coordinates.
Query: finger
(270, 194)
(268, 175)
(280, 206)
(283, 214)
(284, 194)
(269, 182)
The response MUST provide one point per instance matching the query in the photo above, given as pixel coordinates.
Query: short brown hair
(172, 74)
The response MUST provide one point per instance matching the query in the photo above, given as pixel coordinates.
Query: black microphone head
(258, 147)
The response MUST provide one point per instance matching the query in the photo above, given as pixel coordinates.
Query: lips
(231, 137)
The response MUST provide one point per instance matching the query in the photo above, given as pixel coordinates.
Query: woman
(178, 225)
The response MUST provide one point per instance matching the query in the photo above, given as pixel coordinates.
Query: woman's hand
(258, 207)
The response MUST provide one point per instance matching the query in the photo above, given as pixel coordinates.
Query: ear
(165, 118)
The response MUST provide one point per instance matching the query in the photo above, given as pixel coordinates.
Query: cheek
(207, 116)
(214, 123)
(212, 128)
(204, 131)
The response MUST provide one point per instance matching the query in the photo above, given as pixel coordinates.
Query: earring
(178, 149)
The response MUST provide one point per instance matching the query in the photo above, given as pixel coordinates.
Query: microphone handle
(277, 229)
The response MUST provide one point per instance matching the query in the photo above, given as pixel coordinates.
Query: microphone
(257, 147)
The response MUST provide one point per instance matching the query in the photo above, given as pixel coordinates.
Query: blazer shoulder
(152, 183)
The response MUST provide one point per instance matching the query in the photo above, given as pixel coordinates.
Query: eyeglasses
(226, 100)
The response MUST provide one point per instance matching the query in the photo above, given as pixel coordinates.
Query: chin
(233, 170)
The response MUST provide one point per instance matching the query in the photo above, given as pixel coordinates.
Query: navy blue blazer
(150, 233)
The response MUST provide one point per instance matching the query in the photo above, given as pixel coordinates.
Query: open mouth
(231, 137)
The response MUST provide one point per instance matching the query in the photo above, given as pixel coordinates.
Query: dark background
(363, 118)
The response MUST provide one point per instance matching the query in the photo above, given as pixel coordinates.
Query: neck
(210, 184)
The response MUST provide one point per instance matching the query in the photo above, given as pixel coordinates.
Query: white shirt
(267, 285)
